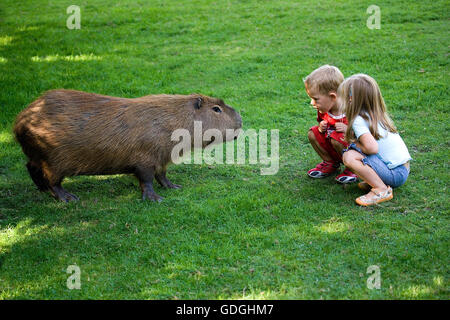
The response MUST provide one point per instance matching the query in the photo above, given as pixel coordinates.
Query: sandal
(378, 198)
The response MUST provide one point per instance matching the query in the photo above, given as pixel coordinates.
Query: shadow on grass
(127, 252)
(192, 245)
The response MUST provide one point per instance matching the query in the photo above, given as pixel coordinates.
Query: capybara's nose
(239, 119)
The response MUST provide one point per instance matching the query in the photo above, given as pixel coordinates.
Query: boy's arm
(322, 122)
(341, 127)
(319, 117)
(323, 126)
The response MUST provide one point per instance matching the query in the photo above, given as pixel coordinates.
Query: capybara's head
(215, 114)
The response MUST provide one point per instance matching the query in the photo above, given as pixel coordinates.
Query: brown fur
(69, 133)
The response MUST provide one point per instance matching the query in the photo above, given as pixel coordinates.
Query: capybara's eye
(217, 109)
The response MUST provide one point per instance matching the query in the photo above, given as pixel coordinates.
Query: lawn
(230, 233)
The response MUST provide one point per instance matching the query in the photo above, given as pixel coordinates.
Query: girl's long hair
(359, 95)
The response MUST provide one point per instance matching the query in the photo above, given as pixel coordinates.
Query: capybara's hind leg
(145, 177)
(59, 193)
(46, 178)
(164, 182)
(37, 175)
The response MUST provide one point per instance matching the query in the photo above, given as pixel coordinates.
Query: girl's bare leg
(353, 160)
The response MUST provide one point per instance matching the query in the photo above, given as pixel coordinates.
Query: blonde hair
(360, 95)
(324, 79)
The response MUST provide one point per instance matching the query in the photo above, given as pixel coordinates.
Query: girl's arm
(367, 144)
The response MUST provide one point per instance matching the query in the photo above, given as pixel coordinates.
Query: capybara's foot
(151, 195)
(165, 183)
(171, 185)
(60, 194)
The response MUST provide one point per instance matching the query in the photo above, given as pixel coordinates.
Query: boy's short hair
(324, 79)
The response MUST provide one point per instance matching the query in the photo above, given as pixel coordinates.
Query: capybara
(68, 133)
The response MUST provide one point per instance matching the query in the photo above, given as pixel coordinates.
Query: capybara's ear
(198, 103)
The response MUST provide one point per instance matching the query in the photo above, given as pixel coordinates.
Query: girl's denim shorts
(391, 177)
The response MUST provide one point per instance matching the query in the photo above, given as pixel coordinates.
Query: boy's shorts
(391, 177)
(324, 140)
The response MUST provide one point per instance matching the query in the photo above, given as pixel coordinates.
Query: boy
(327, 138)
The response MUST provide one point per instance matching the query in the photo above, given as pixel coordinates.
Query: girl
(377, 153)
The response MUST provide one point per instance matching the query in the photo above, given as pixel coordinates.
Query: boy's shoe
(378, 198)
(323, 169)
(346, 177)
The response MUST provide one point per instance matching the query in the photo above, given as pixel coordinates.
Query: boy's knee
(311, 136)
(337, 145)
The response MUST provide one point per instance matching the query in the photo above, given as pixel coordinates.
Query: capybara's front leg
(145, 177)
(164, 182)
(59, 193)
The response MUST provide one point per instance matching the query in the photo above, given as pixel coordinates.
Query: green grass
(230, 233)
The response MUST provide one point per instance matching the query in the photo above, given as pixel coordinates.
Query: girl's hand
(341, 127)
(358, 145)
(323, 126)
